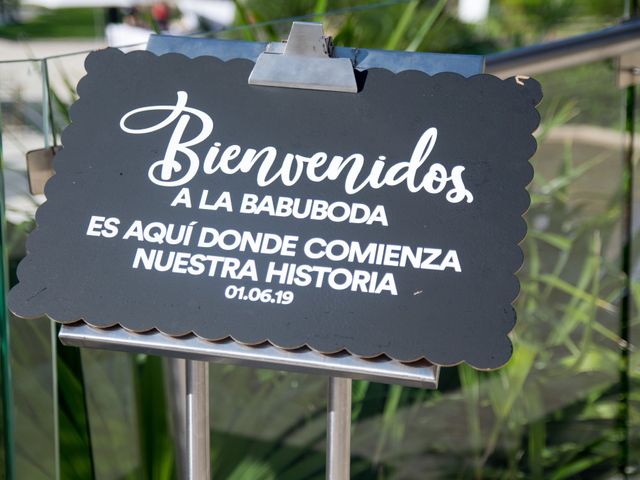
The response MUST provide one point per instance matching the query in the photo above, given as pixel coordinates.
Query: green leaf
(402, 25)
(561, 242)
(156, 445)
(319, 9)
(244, 15)
(76, 456)
(426, 26)
(566, 287)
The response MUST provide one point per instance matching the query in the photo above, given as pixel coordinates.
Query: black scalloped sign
(382, 222)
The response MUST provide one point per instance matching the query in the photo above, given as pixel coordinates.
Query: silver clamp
(304, 61)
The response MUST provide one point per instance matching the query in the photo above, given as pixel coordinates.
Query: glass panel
(267, 424)
(35, 433)
(30, 349)
(113, 419)
(100, 392)
(6, 399)
(554, 412)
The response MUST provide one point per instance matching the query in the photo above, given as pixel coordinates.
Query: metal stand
(199, 353)
(198, 442)
(339, 429)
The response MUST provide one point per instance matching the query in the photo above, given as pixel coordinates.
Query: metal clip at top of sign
(304, 61)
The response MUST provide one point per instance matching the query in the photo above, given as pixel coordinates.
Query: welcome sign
(382, 222)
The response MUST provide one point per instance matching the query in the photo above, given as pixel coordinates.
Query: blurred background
(566, 406)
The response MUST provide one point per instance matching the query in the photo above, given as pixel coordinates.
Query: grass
(60, 23)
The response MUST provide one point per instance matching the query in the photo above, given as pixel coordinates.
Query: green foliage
(406, 24)
(521, 22)
(59, 23)
(156, 443)
(76, 459)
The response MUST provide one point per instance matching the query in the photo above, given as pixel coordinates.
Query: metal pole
(603, 44)
(175, 380)
(198, 453)
(339, 429)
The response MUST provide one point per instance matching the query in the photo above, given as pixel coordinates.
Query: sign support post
(339, 429)
(198, 442)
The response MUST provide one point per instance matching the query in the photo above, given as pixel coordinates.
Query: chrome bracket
(304, 61)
